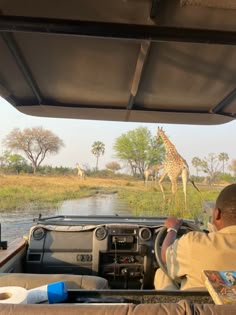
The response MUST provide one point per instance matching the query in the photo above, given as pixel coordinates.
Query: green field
(16, 192)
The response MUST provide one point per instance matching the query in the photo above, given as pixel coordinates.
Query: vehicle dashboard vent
(145, 234)
(38, 234)
(100, 233)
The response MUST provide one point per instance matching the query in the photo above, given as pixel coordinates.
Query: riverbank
(16, 223)
(18, 192)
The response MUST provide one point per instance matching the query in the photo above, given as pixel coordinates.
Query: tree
(4, 159)
(211, 166)
(139, 149)
(14, 163)
(36, 143)
(113, 166)
(17, 163)
(232, 167)
(223, 157)
(196, 161)
(98, 149)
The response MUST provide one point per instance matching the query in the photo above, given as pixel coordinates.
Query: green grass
(17, 198)
(151, 203)
(16, 192)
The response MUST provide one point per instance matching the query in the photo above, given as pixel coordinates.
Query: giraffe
(174, 166)
(81, 172)
(151, 171)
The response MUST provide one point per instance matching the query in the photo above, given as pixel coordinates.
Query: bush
(227, 177)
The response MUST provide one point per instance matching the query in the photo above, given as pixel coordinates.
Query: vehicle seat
(183, 307)
(30, 281)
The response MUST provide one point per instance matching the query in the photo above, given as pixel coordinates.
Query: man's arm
(173, 224)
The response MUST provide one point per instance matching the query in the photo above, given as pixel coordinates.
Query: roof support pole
(222, 105)
(116, 30)
(140, 66)
(16, 53)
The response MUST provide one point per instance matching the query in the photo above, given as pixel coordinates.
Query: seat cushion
(30, 281)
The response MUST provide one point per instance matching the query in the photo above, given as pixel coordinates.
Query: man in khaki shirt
(185, 258)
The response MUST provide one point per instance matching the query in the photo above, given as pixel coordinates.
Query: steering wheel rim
(157, 246)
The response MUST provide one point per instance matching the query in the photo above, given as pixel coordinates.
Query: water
(17, 223)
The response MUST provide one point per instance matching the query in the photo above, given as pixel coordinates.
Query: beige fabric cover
(181, 308)
(29, 281)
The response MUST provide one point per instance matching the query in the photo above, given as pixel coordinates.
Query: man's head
(224, 213)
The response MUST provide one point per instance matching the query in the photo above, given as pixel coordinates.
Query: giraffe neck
(170, 148)
(171, 152)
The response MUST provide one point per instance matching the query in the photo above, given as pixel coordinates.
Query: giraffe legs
(146, 176)
(173, 188)
(184, 175)
(160, 184)
(184, 181)
(81, 174)
(173, 180)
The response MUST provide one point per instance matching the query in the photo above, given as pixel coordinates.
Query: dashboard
(121, 249)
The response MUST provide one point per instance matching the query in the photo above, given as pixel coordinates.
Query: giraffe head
(160, 132)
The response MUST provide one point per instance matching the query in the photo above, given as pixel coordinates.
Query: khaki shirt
(196, 251)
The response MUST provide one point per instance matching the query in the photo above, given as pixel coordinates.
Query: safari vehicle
(156, 61)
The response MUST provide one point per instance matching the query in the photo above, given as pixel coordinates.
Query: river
(17, 223)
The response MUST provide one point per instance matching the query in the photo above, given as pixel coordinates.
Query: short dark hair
(226, 202)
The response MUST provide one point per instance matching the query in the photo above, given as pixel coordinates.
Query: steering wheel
(159, 240)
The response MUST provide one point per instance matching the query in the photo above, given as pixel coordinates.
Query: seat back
(30, 281)
(181, 308)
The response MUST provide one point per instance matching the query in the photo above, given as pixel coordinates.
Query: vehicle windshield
(89, 167)
(122, 108)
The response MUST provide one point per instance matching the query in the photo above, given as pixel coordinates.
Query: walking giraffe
(151, 171)
(81, 172)
(173, 166)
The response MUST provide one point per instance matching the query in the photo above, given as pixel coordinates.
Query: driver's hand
(173, 222)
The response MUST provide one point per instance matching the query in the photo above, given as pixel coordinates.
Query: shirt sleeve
(177, 256)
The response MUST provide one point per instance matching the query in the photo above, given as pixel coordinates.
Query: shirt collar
(228, 229)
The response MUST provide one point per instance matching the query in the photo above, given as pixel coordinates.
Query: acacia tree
(36, 143)
(98, 149)
(211, 166)
(139, 149)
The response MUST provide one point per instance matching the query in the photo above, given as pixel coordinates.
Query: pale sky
(79, 135)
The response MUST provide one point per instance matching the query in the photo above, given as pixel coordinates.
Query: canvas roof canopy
(164, 61)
